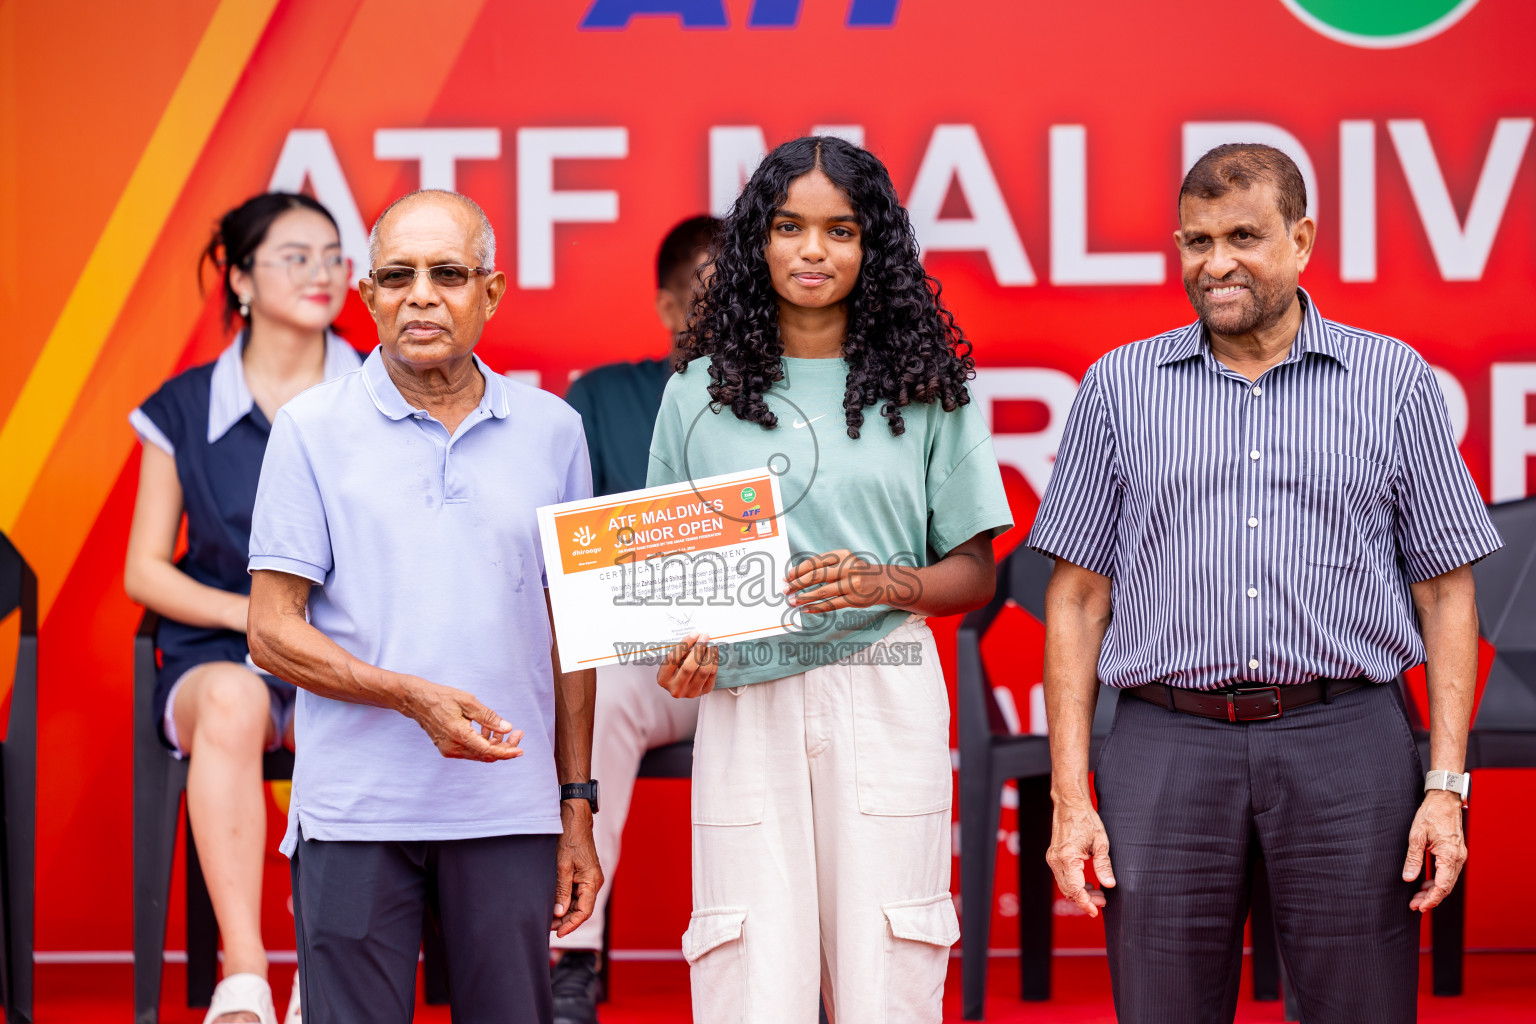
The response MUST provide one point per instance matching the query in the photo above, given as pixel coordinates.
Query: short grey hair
(485, 238)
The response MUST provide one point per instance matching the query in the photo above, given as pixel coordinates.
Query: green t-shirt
(893, 500)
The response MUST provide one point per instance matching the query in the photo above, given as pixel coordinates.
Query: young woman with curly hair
(821, 803)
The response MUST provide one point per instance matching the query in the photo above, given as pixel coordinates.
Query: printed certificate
(631, 574)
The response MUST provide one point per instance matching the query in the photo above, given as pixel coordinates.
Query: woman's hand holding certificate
(633, 574)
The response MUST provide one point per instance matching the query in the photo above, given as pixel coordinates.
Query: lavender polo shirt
(424, 549)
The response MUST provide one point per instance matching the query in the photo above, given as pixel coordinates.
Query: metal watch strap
(1454, 782)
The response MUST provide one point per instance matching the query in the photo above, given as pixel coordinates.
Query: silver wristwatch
(1441, 779)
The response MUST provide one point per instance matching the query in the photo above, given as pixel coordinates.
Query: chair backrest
(18, 594)
(1506, 579)
(1022, 578)
(18, 587)
(976, 710)
(671, 761)
(1506, 611)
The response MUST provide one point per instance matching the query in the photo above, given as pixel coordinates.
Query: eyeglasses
(444, 275)
(303, 268)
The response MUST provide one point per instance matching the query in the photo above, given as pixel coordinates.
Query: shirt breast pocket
(1341, 496)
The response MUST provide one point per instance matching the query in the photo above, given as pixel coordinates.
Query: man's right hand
(1077, 835)
(451, 717)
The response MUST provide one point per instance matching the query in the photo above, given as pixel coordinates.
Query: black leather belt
(1245, 703)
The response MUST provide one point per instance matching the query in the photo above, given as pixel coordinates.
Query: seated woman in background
(204, 433)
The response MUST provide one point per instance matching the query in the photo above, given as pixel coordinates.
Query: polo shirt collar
(387, 398)
(229, 397)
(1312, 337)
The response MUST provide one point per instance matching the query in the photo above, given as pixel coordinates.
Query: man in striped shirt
(1257, 521)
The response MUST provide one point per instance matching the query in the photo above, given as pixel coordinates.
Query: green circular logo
(1380, 24)
(747, 494)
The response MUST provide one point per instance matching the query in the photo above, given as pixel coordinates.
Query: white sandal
(242, 993)
(293, 1016)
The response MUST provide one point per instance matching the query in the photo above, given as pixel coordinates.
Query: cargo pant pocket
(918, 935)
(715, 947)
(730, 758)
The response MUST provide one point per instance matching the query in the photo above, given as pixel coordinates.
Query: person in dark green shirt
(618, 402)
(618, 406)
(822, 353)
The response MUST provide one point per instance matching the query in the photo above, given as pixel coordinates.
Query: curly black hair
(902, 344)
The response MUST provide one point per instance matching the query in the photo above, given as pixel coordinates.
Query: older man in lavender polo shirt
(396, 505)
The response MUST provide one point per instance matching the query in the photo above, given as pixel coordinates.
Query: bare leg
(224, 720)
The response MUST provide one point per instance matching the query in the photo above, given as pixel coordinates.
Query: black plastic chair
(18, 767)
(1504, 733)
(158, 782)
(990, 755)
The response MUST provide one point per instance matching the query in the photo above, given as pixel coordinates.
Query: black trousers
(358, 909)
(1325, 794)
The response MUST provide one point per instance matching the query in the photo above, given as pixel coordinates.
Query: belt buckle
(1236, 692)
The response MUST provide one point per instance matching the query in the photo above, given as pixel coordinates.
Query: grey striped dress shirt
(1261, 532)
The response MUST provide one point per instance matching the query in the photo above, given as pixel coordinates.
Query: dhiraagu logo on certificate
(1380, 24)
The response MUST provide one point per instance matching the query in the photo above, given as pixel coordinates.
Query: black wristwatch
(581, 791)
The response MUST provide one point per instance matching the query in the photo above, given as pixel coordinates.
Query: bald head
(485, 235)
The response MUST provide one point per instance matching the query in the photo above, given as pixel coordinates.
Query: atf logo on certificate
(632, 574)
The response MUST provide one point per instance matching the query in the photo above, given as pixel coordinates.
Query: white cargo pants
(821, 844)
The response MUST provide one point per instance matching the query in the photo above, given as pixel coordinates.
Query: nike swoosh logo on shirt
(799, 423)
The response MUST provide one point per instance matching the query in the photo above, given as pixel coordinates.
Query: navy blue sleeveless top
(206, 419)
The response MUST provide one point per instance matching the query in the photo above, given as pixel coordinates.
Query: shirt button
(1253, 521)
(1257, 391)
(1253, 592)
(1253, 662)
(1254, 455)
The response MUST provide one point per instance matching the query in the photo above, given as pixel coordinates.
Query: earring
(245, 306)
